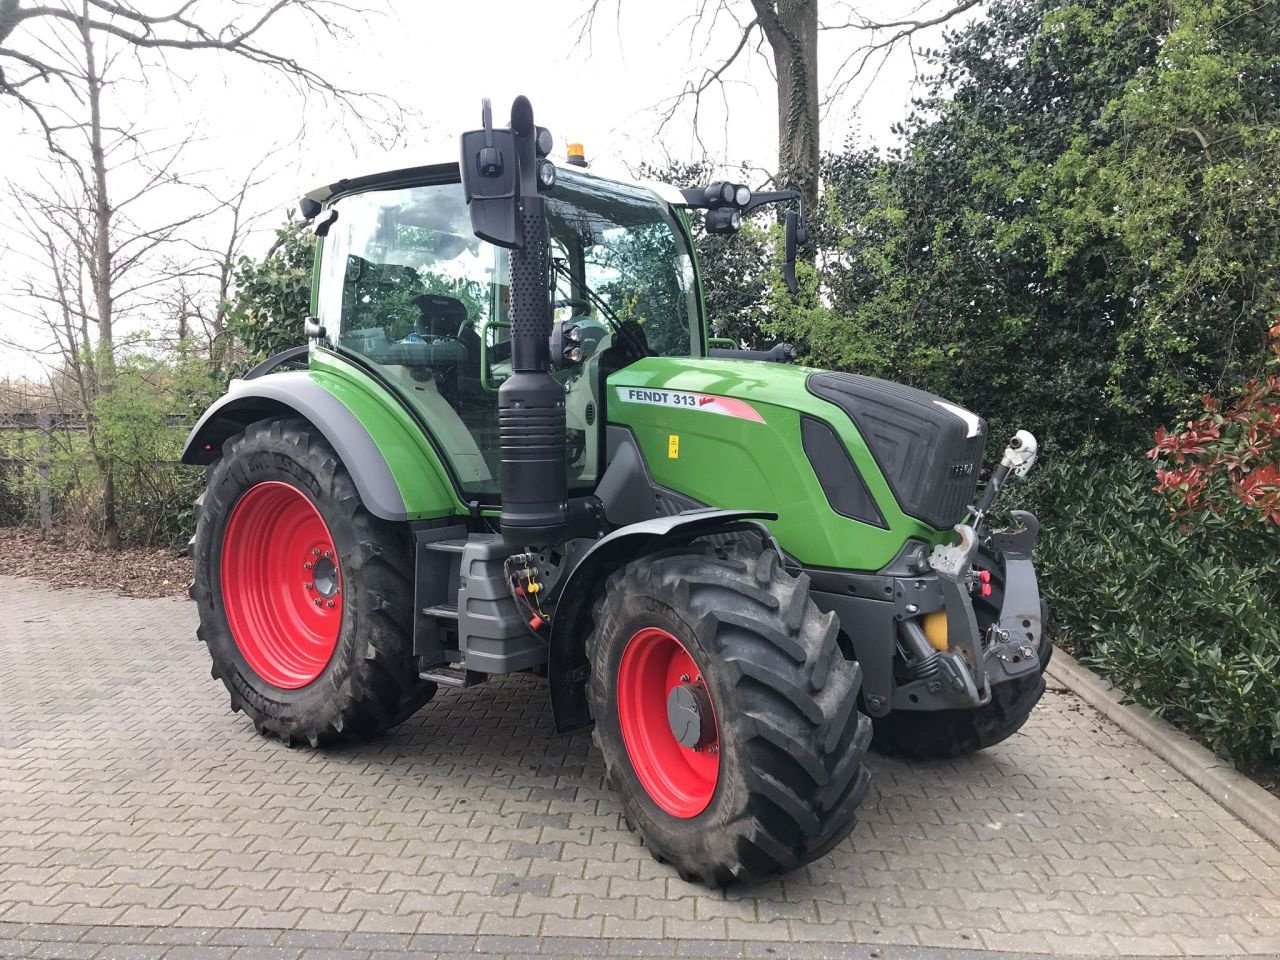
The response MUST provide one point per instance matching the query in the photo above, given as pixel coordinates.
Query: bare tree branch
(791, 29)
(901, 31)
(184, 29)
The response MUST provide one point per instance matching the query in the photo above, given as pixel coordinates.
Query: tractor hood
(861, 452)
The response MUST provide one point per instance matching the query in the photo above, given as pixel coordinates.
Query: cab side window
(407, 286)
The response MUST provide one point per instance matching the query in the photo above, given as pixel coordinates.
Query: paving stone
(133, 951)
(51, 931)
(267, 953)
(66, 951)
(201, 952)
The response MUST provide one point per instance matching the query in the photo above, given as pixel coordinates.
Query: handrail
(484, 352)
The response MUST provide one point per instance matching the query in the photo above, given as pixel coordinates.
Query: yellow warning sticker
(673, 447)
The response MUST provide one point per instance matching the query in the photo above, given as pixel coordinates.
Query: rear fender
(298, 394)
(567, 666)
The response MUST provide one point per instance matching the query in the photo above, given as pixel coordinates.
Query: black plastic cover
(531, 431)
(842, 483)
(490, 179)
(929, 450)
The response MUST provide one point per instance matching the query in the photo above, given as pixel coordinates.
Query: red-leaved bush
(1231, 457)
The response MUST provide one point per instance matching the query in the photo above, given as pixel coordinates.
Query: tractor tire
(946, 734)
(303, 598)
(767, 772)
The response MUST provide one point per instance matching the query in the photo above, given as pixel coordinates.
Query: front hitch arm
(962, 665)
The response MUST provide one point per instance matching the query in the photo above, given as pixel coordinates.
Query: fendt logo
(706, 402)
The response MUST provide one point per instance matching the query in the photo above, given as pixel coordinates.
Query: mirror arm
(774, 196)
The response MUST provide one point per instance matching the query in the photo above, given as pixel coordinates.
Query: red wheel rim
(679, 779)
(281, 585)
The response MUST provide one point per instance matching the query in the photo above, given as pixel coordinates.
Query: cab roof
(426, 173)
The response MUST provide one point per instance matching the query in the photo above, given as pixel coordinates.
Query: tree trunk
(100, 277)
(791, 27)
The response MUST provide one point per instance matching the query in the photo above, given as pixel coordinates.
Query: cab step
(452, 676)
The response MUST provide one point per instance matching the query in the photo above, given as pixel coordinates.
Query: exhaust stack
(502, 173)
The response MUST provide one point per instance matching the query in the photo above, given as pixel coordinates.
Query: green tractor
(509, 446)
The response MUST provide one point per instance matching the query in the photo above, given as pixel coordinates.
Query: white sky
(438, 59)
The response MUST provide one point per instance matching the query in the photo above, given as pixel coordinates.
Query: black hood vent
(929, 449)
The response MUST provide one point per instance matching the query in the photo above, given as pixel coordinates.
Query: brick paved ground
(140, 818)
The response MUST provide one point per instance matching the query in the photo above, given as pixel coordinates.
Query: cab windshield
(408, 287)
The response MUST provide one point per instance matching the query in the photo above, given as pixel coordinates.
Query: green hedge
(1183, 614)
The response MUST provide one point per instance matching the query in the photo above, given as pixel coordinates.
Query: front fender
(297, 394)
(567, 666)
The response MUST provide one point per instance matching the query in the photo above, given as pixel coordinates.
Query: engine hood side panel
(728, 433)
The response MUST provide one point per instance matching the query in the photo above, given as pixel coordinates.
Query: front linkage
(966, 666)
(953, 658)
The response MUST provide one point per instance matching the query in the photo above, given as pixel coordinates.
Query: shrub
(141, 427)
(1184, 614)
(1228, 463)
(273, 295)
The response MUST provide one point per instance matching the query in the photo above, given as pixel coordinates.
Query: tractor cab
(406, 290)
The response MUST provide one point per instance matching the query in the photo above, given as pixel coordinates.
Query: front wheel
(303, 595)
(726, 713)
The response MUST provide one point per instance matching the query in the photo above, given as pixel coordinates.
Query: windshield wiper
(642, 349)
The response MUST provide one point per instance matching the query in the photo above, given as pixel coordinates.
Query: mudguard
(297, 393)
(567, 666)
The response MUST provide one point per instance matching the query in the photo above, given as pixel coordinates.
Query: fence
(12, 469)
(49, 479)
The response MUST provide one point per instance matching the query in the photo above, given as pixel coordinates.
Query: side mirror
(491, 180)
(502, 170)
(789, 261)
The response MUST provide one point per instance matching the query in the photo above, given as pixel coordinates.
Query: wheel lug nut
(318, 601)
(315, 551)
(307, 565)
(713, 749)
(331, 603)
(310, 585)
(328, 554)
(684, 678)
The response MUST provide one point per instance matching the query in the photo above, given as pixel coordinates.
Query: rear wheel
(304, 602)
(726, 713)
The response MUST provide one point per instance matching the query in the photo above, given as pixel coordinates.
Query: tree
(791, 29)
(94, 250)
(269, 298)
(199, 299)
(1081, 233)
(101, 261)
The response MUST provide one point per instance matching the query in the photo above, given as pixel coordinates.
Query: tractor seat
(439, 315)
